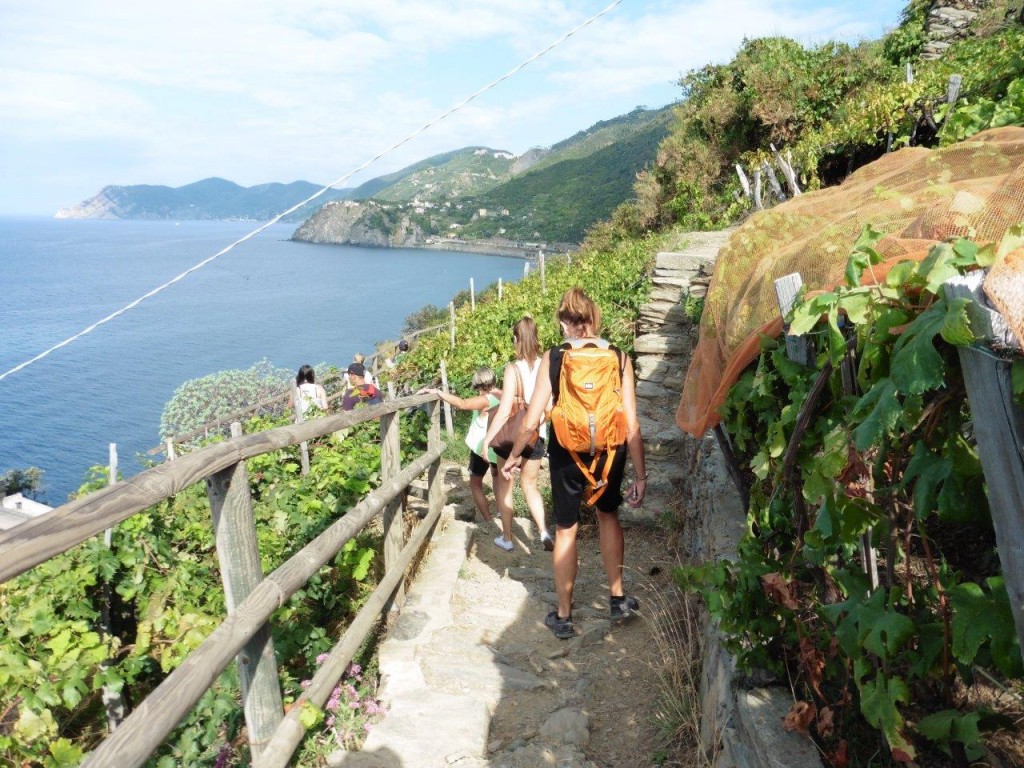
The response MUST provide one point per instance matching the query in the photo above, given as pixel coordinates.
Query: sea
(269, 298)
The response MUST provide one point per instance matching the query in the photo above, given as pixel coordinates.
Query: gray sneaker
(622, 608)
(562, 628)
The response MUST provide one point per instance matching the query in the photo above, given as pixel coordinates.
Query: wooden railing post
(238, 552)
(447, 407)
(472, 296)
(999, 431)
(170, 449)
(499, 289)
(435, 486)
(390, 466)
(113, 701)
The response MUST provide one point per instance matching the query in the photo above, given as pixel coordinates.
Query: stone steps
(663, 348)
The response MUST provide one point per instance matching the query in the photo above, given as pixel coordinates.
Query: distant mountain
(545, 195)
(549, 195)
(207, 199)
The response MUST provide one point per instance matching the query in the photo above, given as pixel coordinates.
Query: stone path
(470, 675)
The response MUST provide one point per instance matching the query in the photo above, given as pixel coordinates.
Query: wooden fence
(245, 634)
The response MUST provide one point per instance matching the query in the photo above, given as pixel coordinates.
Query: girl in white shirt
(309, 393)
(520, 380)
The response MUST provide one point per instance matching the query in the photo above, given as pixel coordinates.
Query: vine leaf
(883, 631)
(981, 617)
(938, 267)
(878, 699)
(917, 365)
(882, 409)
(799, 718)
(928, 472)
(777, 588)
(950, 725)
(864, 255)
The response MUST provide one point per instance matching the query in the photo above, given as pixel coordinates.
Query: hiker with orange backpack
(594, 428)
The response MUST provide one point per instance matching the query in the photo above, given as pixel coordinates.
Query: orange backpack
(589, 416)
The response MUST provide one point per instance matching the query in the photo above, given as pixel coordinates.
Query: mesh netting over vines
(974, 189)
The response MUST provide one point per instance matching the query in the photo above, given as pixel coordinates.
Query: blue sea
(269, 298)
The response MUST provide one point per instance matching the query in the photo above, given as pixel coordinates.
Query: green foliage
(200, 401)
(559, 201)
(904, 43)
(617, 279)
(163, 573)
(980, 113)
(28, 482)
(833, 107)
(891, 456)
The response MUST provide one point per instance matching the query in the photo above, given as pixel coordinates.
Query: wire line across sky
(314, 196)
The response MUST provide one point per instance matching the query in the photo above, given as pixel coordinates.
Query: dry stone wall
(947, 22)
(741, 723)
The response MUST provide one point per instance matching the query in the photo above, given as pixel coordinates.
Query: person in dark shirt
(359, 392)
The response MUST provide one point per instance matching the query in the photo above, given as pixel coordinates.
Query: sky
(256, 91)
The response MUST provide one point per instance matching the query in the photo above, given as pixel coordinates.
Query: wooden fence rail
(273, 737)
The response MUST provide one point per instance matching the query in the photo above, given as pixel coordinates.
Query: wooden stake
(447, 405)
(451, 307)
(238, 552)
(472, 296)
(390, 466)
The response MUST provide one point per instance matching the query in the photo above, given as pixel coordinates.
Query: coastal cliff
(363, 224)
(372, 225)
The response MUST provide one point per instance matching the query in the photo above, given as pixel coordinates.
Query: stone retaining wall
(741, 724)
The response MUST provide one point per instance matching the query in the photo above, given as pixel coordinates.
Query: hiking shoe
(547, 542)
(504, 543)
(561, 628)
(623, 608)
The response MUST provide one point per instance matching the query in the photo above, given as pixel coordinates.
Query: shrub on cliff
(200, 401)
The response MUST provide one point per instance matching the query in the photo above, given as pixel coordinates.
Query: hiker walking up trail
(517, 392)
(594, 426)
(480, 458)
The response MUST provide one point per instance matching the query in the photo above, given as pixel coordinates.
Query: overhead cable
(312, 197)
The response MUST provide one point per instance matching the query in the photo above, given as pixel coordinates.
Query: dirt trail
(610, 672)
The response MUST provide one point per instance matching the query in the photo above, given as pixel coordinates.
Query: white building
(16, 509)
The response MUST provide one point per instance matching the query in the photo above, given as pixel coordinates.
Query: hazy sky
(96, 93)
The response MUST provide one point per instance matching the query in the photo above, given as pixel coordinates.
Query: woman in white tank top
(520, 379)
(309, 393)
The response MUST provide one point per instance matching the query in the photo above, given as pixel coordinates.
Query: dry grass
(676, 629)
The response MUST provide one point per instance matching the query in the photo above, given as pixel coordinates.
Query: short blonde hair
(358, 357)
(483, 378)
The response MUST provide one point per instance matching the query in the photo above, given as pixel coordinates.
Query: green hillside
(602, 135)
(461, 173)
(558, 200)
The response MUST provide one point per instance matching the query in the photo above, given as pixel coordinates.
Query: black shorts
(568, 485)
(536, 454)
(478, 465)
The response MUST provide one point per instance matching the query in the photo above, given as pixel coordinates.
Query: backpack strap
(597, 487)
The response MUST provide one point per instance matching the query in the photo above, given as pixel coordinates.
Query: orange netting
(919, 196)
